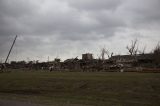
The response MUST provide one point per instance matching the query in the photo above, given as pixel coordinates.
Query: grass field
(82, 88)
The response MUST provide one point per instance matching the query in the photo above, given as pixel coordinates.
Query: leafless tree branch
(133, 48)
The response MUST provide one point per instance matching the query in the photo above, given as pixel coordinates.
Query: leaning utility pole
(10, 49)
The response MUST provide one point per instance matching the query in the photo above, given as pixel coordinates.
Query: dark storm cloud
(93, 5)
(50, 27)
(141, 13)
(20, 17)
(12, 16)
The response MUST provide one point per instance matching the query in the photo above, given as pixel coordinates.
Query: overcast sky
(68, 28)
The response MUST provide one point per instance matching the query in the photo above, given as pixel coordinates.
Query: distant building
(132, 60)
(87, 56)
(123, 58)
(145, 58)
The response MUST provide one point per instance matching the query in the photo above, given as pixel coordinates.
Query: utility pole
(10, 49)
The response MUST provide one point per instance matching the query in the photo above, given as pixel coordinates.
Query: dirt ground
(79, 88)
(16, 103)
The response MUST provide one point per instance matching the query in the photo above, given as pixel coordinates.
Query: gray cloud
(141, 13)
(71, 27)
(93, 5)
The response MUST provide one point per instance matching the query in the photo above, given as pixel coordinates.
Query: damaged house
(133, 60)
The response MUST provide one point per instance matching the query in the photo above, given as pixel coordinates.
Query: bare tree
(105, 51)
(99, 56)
(143, 50)
(157, 48)
(156, 54)
(133, 48)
